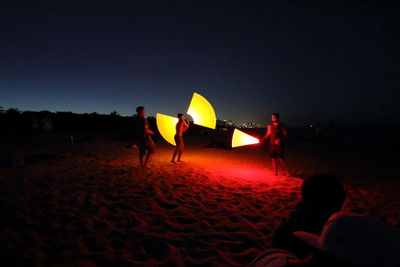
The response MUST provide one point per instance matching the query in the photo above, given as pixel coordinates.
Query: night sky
(306, 60)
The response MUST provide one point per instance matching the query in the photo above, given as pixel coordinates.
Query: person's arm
(284, 131)
(268, 133)
(147, 129)
(185, 125)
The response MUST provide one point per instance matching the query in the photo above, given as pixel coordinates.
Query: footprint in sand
(128, 225)
(253, 219)
(183, 220)
(166, 205)
(93, 245)
(113, 218)
(112, 198)
(155, 247)
(234, 219)
(178, 185)
(99, 225)
(118, 245)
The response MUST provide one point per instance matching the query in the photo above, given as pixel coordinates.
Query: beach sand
(88, 204)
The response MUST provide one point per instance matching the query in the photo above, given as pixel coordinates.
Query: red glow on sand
(234, 167)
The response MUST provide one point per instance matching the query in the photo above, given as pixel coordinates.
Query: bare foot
(144, 167)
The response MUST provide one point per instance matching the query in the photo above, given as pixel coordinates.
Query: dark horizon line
(323, 123)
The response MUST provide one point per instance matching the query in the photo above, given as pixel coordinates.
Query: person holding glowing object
(181, 127)
(276, 133)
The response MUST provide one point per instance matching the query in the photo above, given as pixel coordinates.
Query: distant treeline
(17, 122)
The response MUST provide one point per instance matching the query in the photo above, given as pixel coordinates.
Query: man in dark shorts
(181, 127)
(276, 133)
(145, 144)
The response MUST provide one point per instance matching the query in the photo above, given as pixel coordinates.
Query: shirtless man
(146, 145)
(181, 127)
(276, 133)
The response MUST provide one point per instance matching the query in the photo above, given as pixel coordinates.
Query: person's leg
(181, 147)
(142, 157)
(272, 154)
(282, 162)
(274, 168)
(174, 155)
(142, 152)
(180, 155)
(176, 148)
(151, 149)
(148, 157)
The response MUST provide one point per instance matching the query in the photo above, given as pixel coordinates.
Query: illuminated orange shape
(167, 127)
(202, 112)
(240, 138)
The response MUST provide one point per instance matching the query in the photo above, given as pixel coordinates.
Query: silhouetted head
(181, 117)
(323, 191)
(275, 117)
(140, 111)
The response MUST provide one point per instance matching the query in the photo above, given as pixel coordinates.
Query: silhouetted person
(317, 131)
(145, 144)
(322, 195)
(276, 133)
(181, 127)
(346, 240)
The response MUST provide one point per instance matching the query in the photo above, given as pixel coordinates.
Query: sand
(88, 204)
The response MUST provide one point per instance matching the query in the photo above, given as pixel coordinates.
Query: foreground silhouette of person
(146, 146)
(276, 133)
(321, 196)
(347, 240)
(181, 127)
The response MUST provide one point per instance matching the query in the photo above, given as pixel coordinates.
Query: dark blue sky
(306, 60)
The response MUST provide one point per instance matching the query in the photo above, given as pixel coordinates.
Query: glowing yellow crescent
(240, 138)
(202, 112)
(166, 126)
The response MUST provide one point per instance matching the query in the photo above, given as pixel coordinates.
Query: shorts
(178, 141)
(146, 144)
(276, 151)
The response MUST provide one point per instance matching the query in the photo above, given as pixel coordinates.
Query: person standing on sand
(181, 127)
(145, 144)
(276, 133)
